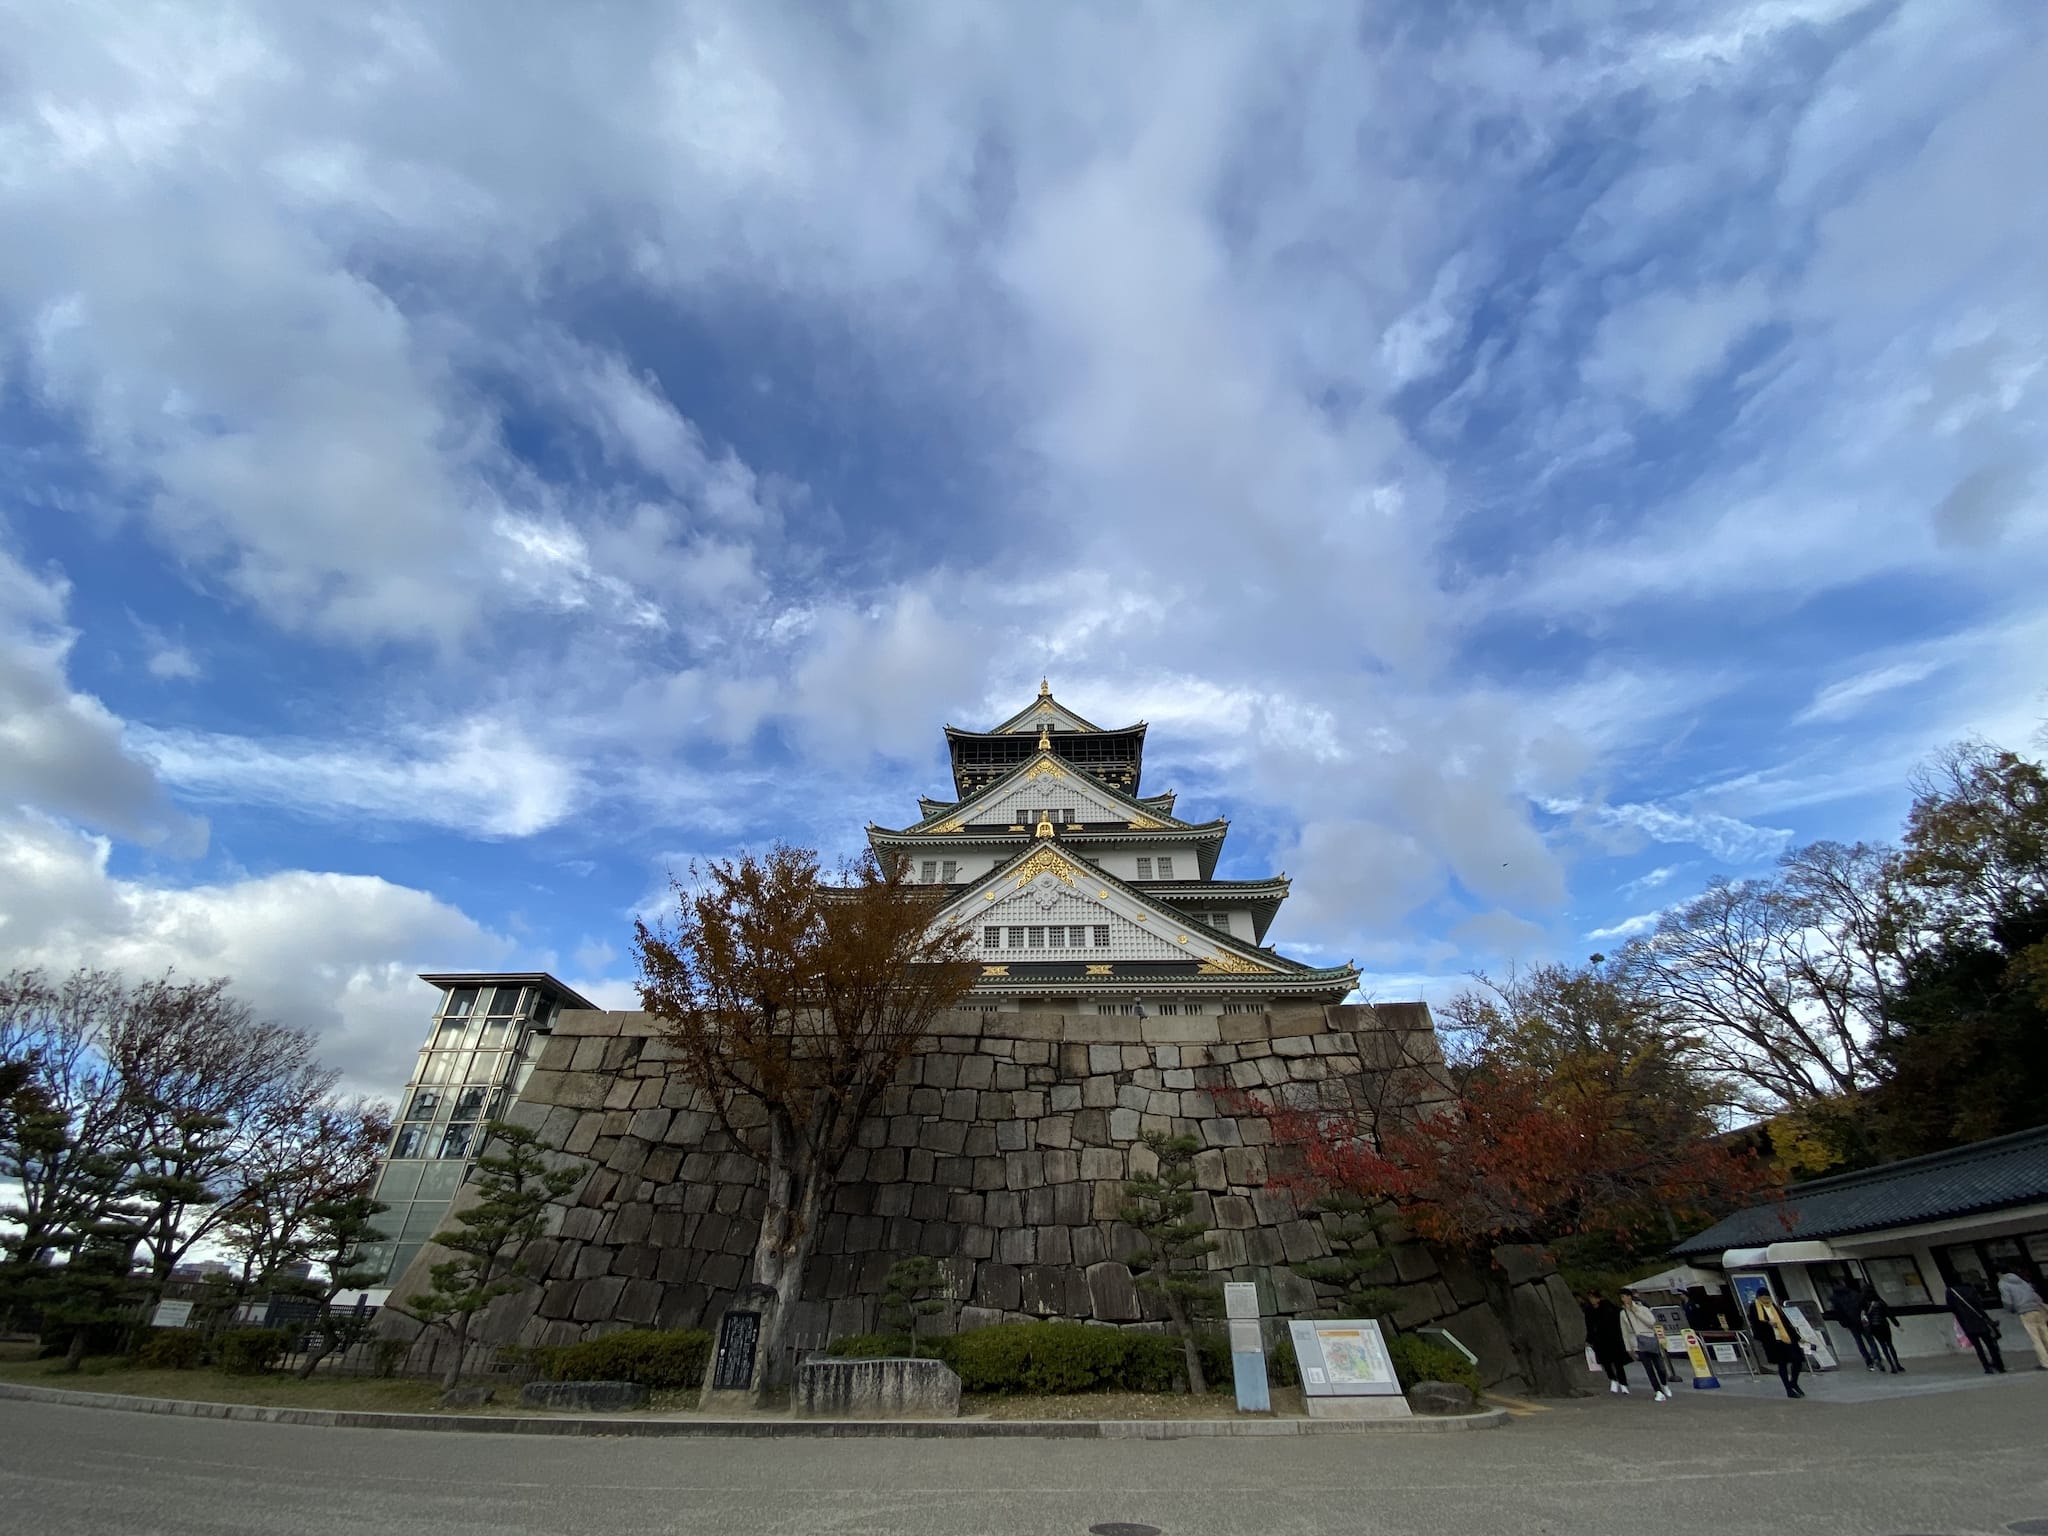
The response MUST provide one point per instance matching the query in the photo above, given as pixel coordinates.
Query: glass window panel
(424, 1102)
(1034, 938)
(1101, 935)
(1897, 1279)
(496, 1031)
(401, 1181)
(404, 1255)
(439, 1181)
(1056, 938)
(409, 1142)
(469, 1104)
(461, 1002)
(543, 1014)
(455, 1142)
(505, 1001)
(1077, 937)
(1016, 938)
(948, 870)
(929, 872)
(1165, 868)
(437, 1067)
(423, 1221)
(992, 937)
(1965, 1263)
(1144, 869)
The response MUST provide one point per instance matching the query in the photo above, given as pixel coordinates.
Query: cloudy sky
(458, 462)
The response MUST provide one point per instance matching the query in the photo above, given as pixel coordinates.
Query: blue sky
(461, 462)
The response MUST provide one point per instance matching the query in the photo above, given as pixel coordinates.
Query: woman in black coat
(1974, 1318)
(1877, 1322)
(1604, 1333)
(1780, 1344)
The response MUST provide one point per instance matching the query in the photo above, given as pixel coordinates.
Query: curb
(759, 1429)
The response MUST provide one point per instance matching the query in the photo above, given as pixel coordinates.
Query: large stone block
(583, 1396)
(1112, 1295)
(875, 1389)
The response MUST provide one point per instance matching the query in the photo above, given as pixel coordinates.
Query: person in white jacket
(1640, 1325)
(2025, 1303)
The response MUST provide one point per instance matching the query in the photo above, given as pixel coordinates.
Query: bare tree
(791, 1004)
(1782, 982)
(328, 1153)
(208, 1092)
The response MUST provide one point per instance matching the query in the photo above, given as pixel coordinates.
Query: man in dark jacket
(1845, 1307)
(1604, 1335)
(1974, 1318)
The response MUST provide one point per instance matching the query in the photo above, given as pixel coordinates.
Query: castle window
(1056, 938)
(1244, 1007)
(1016, 938)
(1102, 935)
(992, 937)
(948, 870)
(1077, 937)
(1113, 1009)
(1220, 921)
(1144, 869)
(1034, 938)
(931, 871)
(1165, 868)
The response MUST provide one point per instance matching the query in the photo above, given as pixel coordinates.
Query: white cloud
(1729, 840)
(1839, 700)
(335, 954)
(1662, 347)
(485, 775)
(63, 750)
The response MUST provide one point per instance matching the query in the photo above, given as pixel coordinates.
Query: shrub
(1155, 1362)
(652, 1357)
(171, 1349)
(251, 1351)
(387, 1355)
(1058, 1358)
(875, 1346)
(1419, 1359)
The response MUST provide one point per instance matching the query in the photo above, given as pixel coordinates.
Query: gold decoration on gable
(1145, 824)
(946, 826)
(1226, 964)
(1044, 861)
(1098, 970)
(1045, 768)
(995, 970)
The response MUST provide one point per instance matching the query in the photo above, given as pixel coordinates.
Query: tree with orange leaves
(1575, 1119)
(791, 1003)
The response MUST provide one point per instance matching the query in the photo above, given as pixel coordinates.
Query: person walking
(1779, 1343)
(1847, 1309)
(1639, 1323)
(1876, 1313)
(1978, 1326)
(2025, 1303)
(1604, 1335)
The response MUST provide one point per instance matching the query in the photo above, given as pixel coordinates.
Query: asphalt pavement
(1951, 1463)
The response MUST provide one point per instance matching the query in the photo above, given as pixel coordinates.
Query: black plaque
(737, 1335)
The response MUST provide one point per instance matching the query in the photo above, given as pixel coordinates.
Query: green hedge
(877, 1346)
(1419, 1359)
(171, 1349)
(652, 1357)
(250, 1351)
(1050, 1358)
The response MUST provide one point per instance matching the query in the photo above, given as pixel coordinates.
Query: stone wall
(1001, 1152)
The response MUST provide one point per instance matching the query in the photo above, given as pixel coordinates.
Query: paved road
(1965, 1462)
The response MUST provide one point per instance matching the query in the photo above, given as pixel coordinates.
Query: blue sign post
(1247, 1348)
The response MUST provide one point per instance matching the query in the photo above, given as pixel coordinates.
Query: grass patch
(273, 1391)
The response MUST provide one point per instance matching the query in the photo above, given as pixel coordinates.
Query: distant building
(486, 1031)
(1085, 896)
(1909, 1228)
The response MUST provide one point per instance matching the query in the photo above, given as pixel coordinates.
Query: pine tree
(513, 1187)
(1359, 1264)
(914, 1288)
(338, 1229)
(1161, 1206)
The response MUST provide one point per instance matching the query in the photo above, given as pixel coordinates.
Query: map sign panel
(1343, 1359)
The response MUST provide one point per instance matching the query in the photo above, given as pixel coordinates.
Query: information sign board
(1343, 1359)
(172, 1314)
(1247, 1348)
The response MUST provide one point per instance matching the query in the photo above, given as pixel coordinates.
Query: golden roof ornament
(1044, 824)
(1045, 687)
(1044, 740)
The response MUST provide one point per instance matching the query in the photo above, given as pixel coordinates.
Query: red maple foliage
(1514, 1156)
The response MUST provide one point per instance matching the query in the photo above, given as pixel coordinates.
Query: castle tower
(1085, 895)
